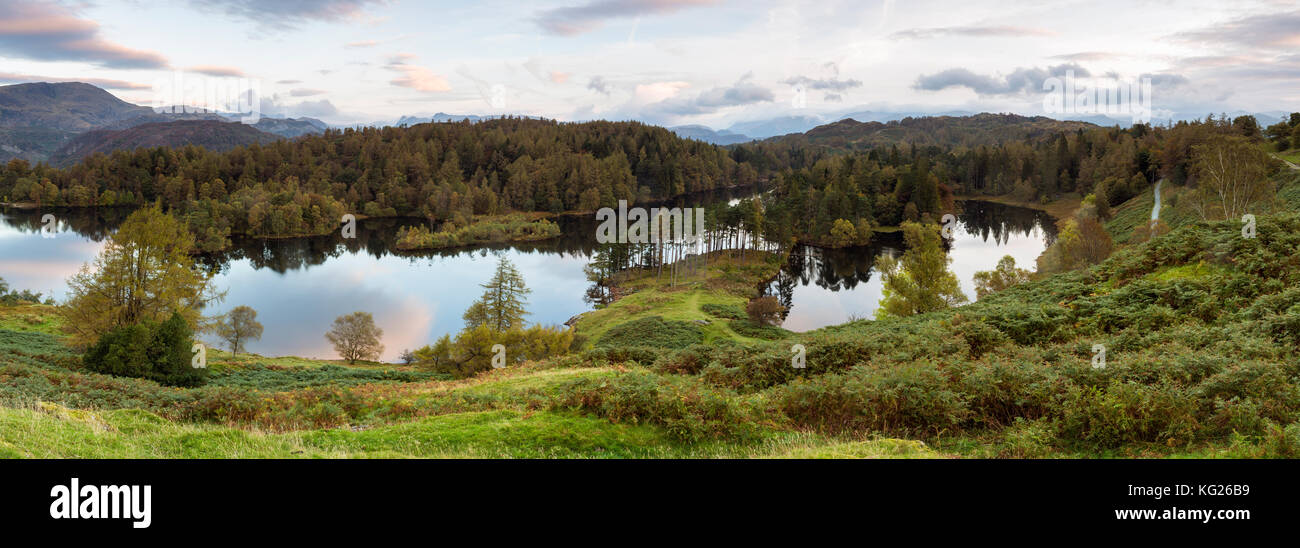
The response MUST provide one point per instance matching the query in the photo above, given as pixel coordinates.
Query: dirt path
(1155, 210)
(1287, 162)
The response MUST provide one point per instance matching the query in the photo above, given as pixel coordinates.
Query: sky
(667, 62)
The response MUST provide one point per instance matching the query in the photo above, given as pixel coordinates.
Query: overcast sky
(664, 61)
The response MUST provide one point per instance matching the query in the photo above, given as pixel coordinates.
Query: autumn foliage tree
(144, 273)
(1001, 277)
(920, 281)
(765, 310)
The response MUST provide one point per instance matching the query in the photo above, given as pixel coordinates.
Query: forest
(438, 171)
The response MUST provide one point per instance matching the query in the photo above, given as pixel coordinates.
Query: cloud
(361, 44)
(414, 76)
(833, 98)
(598, 84)
(45, 31)
(288, 82)
(574, 20)
(291, 13)
(830, 84)
(655, 92)
(559, 77)
(101, 82)
(1272, 31)
(214, 70)
(743, 92)
(1088, 56)
(976, 31)
(304, 92)
(1020, 80)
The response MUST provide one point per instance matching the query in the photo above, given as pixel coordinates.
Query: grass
(1199, 326)
(692, 306)
(220, 359)
(50, 431)
(31, 318)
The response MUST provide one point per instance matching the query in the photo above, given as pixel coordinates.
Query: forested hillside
(888, 184)
(947, 131)
(442, 171)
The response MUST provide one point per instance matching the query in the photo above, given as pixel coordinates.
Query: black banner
(1090, 497)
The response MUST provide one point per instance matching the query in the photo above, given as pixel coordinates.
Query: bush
(653, 331)
(765, 311)
(160, 352)
(906, 400)
(748, 328)
(724, 311)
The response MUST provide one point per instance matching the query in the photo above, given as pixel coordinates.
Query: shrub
(906, 400)
(653, 331)
(160, 352)
(748, 328)
(765, 310)
(724, 311)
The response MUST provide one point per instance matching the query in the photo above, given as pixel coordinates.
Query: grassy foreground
(1201, 329)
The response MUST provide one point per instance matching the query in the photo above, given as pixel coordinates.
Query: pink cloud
(45, 31)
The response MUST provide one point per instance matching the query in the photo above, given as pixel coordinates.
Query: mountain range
(62, 122)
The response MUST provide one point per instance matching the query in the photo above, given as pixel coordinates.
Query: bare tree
(1232, 178)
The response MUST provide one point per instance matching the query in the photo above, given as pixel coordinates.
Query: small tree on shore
(1005, 275)
(356, 337)
(920, 282)
(502, 305)
(237, 327)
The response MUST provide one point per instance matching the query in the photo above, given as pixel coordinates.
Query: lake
(298, 286)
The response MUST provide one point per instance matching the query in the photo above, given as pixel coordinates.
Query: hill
(36, 119)
(214, 135)
(708, 135)
(978, 129)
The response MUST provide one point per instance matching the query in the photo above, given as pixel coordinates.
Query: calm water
(822, 287)
(299, 286)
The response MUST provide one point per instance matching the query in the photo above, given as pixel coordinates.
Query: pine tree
(502, 305)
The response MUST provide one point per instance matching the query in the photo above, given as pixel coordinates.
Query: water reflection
(822, 287)
(298, 286)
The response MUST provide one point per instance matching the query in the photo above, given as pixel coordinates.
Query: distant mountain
(37, 119)
(291, 127)
(210, 134)
(984, 128)
(709, 135)
(772, 127)
(70, 106)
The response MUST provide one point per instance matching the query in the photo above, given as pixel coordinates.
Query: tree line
(441, 171)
